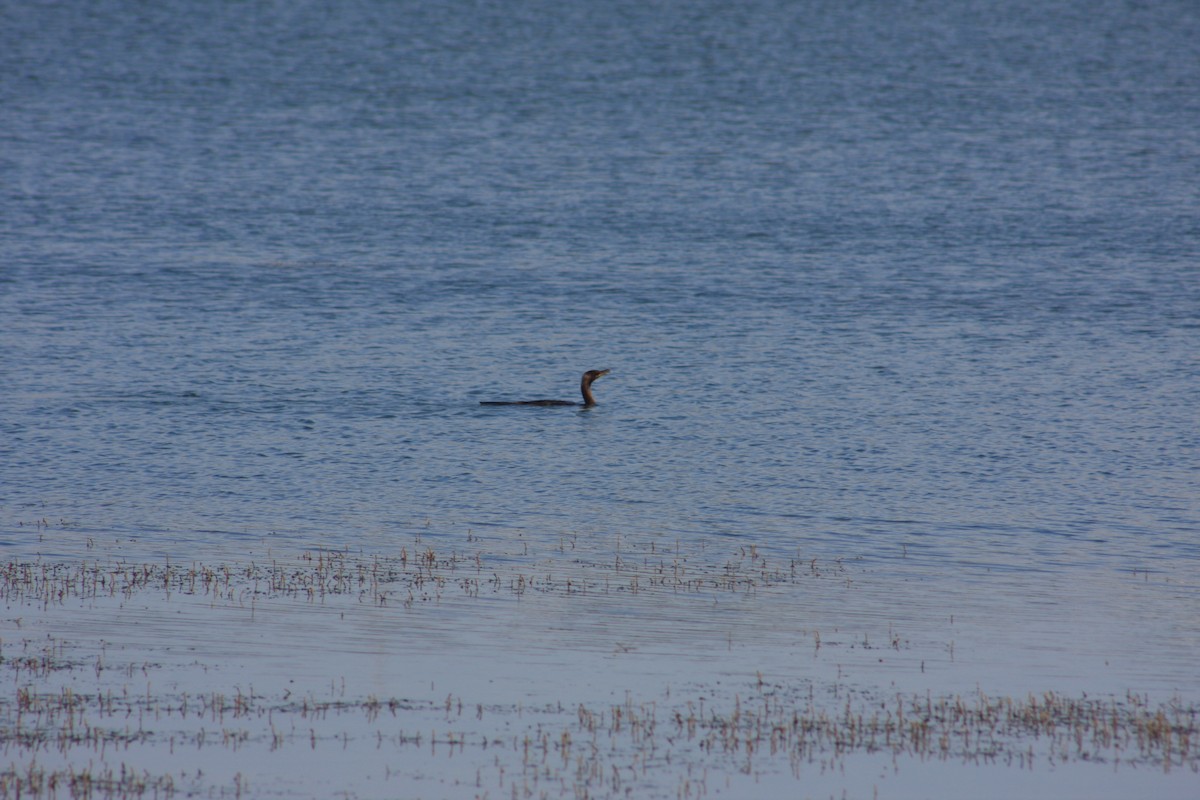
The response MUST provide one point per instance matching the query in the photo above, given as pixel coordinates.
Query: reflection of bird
(585, 386)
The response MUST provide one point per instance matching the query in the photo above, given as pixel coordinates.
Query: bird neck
(585, 387)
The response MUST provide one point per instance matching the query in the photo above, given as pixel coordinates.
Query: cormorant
(585, 386)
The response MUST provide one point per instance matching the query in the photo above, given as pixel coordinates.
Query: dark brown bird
(585, 387)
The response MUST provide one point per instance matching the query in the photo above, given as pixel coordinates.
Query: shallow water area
(891, 490)
(701, 672)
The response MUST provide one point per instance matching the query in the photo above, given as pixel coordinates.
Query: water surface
(909, 289)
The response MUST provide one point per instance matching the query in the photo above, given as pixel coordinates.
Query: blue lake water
(914, 286)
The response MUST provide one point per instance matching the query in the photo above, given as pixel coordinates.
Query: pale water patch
(585, 668)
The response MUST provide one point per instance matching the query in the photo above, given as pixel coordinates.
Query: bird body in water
(585, 387)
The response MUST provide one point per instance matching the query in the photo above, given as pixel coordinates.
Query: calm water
(909, 285)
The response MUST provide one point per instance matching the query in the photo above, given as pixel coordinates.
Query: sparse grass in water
(66, 737)
(585, 750)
